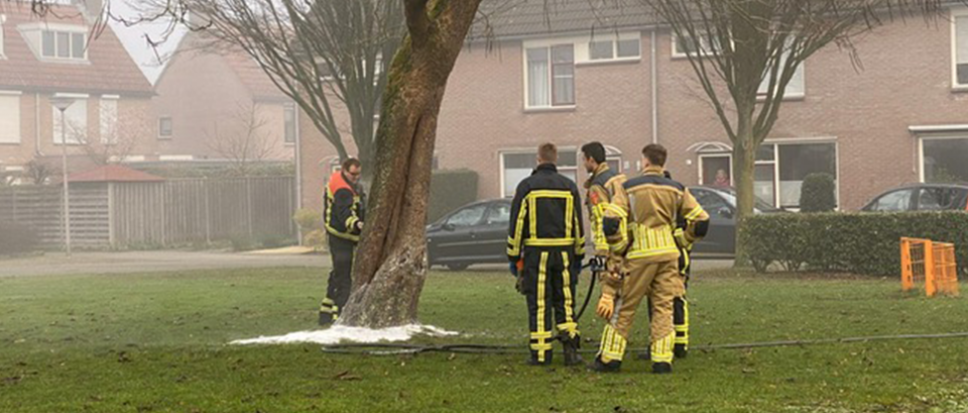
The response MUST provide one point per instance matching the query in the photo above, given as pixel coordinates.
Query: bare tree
(326, 55)
(241, 139)
(118, 140)
(744, 54)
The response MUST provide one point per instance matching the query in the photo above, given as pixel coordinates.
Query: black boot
(325, 319)
(571, 346)
(662, 368)
(602, 367)
(680, 351)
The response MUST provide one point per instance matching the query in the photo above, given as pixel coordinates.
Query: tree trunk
(391, 266)
(744, 165)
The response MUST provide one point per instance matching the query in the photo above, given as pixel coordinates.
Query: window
(716, 170)
(290, 120)
(714, 204)
(75, 119)
(499, 214)
(165, 127)
(894, 201)
(109, 120)
(944, 160)
(682, 47)
(614, 50)
(9, 118)
(938, 199)
(467, 217)
(518, 166)
(551, 76)
(782, 167)
(795, 88)
(960, 43)
(63, 45)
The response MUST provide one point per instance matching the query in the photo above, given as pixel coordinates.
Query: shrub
(308, 220)
(818, 193)
(861, 243)
(317, 239)
(449, 190)
(16, 238)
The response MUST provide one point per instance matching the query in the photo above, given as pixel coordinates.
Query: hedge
(860, 243)
(818, 193)
(449, 190)
(16, 238)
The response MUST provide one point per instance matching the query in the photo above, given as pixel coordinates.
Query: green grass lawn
(157, 343)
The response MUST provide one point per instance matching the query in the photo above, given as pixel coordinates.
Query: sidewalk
(151, 261)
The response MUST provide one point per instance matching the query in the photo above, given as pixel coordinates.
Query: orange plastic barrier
(929, 263)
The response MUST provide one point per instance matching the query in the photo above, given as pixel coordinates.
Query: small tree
(818, 193)
(240, 138)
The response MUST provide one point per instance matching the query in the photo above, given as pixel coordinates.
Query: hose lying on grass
(391, 349)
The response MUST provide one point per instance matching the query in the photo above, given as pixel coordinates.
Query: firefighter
(546, 246)
(601, 187)
(680, 306)
(343, 216)
(651, 204)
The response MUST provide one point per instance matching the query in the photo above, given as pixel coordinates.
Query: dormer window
(63, 45)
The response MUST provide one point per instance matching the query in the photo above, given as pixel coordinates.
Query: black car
(921, 197)
(720, 204)
(473, 234)
(477, 233)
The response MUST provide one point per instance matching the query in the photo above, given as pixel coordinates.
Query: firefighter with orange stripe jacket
(546, 246)
(651, 205)
(343, 215)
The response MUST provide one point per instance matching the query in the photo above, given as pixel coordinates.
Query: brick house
(570, 78)
(44, 57)
(209, 96)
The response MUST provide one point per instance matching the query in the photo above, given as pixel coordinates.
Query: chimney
(92, 9)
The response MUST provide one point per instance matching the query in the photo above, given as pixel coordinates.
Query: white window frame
(56, 114)
(702, 158)
(171, 129)
(776, 143)
(3, 19)
(705, 50)
(586, 58)
(20, 132)
(70, 46)
(549, 44)
(920, 148)
(286, 108)
(109, 126)
(956, 12)
(534, 152)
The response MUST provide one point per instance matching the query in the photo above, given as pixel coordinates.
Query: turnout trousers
(340, 279)
(659, 283)
(549, 288)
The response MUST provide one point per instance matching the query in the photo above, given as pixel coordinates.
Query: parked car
(921, 197)
(720, 204)
(473, 234)
(477, 233)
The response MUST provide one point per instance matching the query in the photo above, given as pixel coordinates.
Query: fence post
(111, 236)
(206, 188)
(248, 203)
(289, 207)
(929, 286)
(907, 273)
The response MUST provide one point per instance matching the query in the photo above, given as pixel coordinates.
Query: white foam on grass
(340, 334)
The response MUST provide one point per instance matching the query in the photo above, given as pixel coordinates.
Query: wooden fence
(167, 213)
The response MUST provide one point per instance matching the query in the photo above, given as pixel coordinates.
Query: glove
(606, 306)
(598, 264)
(359, 226)
(519, 285)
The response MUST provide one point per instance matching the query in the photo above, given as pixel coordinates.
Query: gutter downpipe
(655, 85)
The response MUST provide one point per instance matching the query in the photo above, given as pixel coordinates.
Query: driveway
(150, 261)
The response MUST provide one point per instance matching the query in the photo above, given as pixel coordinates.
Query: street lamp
(62, 104)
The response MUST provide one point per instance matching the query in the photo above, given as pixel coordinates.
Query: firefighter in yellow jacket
(546, 246)
(343, 216)
(601, 187)
(680, 306)
(652, 204)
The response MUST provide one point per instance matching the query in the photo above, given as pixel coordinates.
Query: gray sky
(133, 39)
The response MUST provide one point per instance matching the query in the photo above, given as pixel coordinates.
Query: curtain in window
(538, 82)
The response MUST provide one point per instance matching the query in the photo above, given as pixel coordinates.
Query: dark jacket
(546, 213)
(343, 210)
